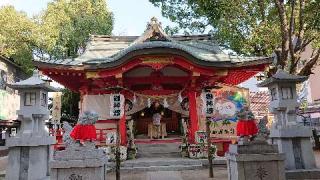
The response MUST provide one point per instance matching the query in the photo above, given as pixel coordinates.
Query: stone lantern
(292, 138)
(29, 150)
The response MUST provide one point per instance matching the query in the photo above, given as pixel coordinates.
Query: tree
(69, 106)
(17, 38)
(255, 27)
(61, 31)
(67, 24)
(65, 28)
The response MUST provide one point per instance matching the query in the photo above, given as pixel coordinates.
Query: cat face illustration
(226, 108)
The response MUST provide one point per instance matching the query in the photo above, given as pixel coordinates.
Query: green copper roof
(109, 51)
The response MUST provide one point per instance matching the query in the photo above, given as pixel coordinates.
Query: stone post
(30, 150)
(256, 160)
(79, 162)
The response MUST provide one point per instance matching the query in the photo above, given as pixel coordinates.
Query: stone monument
(80, 160)
(255, 160)
(30, 150)
(291, 138)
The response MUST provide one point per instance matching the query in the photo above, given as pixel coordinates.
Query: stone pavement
(220, 173)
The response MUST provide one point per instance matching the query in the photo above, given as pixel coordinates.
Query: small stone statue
(67, 139)
(246, 126)
(263, 131)
(84, 130)
(80, 159)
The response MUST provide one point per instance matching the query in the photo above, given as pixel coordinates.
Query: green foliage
(67, 24)
(253, 27)
(60, 31)
(69, 106)
(17, 36)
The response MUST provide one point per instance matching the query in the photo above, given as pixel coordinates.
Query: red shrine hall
(153, 73)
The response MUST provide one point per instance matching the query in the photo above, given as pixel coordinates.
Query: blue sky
(131, 16)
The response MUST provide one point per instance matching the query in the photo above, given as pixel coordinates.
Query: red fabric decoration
(123, 130)
(193, 116)
(246, 128)
(84, 132)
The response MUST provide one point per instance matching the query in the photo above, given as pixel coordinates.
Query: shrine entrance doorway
(170, 124)
(155, 141)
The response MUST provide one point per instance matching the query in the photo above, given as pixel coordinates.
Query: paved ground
(220, 173)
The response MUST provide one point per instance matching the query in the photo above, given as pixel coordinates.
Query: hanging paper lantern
(165, 103)
(117, 105)
(208, 103)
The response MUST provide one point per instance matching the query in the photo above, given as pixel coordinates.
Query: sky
(130, 18)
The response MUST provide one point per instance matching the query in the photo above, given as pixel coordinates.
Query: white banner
(208, 103)
(117, 106)
(56, 107)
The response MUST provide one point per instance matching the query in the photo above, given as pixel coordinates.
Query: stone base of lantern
(294, 142)
(255, 161)
(79, 163)
(29, 157)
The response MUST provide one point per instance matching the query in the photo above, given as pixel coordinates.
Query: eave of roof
(111, 51)
(10, 62)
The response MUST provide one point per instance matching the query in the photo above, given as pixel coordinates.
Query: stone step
(163, 150)
(146, 162)
(165, 164)
(162, 168)
(159, 155)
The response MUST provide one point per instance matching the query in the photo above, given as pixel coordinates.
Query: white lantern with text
(117, 106)
(208, 103)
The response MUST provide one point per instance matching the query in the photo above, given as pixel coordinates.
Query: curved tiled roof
(109, 51)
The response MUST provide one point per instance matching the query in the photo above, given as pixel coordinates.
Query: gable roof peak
(153, 32)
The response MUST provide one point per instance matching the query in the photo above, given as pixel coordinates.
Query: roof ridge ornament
(153, 32)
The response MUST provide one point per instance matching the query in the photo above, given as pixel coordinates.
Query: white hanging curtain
(101, 105)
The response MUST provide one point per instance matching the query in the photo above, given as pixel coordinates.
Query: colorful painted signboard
(227, 102)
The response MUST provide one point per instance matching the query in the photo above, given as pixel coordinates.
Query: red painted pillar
(123, 129)
(193, 115)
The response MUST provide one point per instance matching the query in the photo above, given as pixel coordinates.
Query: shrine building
(155, 73)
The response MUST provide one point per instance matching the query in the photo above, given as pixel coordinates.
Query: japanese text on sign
(117, 105)
(208, 103)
